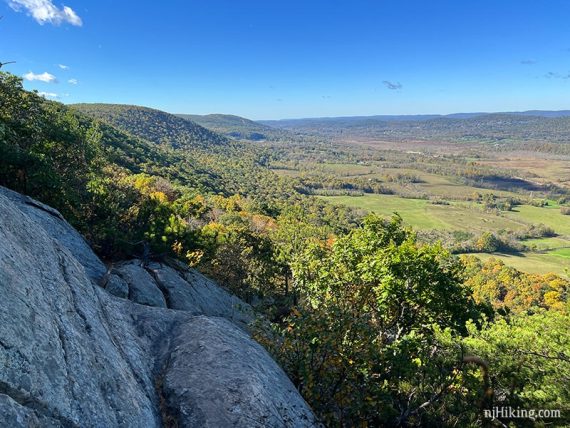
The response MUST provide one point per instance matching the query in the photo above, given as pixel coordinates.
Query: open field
(532, 262)
(543, 244)
(549, 216)
(430, 184)
(424, 215)
(450, 187)
(545, 170)
(552, 255)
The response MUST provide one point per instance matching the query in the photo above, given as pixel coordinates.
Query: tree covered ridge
(153, 125)
(239, 128)
(373, 326)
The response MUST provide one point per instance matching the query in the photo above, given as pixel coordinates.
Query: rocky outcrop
(180, 288)
(116, 285)
(74, 354)
(53, 224)
(198, 396)
(142, 288)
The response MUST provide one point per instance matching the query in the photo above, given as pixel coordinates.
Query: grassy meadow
(423, 214)
(551, 254)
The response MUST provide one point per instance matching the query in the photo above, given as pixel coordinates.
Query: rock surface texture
(132, 346)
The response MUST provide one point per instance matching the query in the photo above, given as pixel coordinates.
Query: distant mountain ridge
(215, 132)
(529, 126)
(240, 128)
(415, 117)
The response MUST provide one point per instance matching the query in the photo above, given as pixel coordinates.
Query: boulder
(187, 290)
(13, 414)
(142, 287)
(63, 347)
(117, 286)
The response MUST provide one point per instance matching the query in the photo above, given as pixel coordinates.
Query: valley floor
(430, 192)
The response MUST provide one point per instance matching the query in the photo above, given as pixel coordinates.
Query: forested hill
(111, 180)
(233, 126)
(240, 128)
(154, 125)
(145, 140)
(193, 155)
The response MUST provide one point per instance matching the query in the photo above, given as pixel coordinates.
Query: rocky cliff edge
(82, 345)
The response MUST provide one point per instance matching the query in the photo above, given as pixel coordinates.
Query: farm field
(424, 215)
(540, 263)
(430, 184)
(549, 216)
(552, 254)
(543, 244)
(545, 170)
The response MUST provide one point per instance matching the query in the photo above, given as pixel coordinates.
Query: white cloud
(63, 67)
(44, 77)
(73, 81)
(48, 94)
(45, 11)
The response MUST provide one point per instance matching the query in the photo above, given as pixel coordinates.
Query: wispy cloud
(63, 67)
(554, 75)
(48, 94)
(73, 81)
(393, 86)
(44, 11)
(44, 77)
(528, 62)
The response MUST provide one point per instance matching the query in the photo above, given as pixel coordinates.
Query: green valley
(284, 214)
(374, 270)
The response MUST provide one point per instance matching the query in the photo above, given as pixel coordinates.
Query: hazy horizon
(343, 116)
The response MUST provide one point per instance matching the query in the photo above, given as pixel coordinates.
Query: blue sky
(279, 59)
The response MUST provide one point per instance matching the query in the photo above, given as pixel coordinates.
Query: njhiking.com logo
(518, 413)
